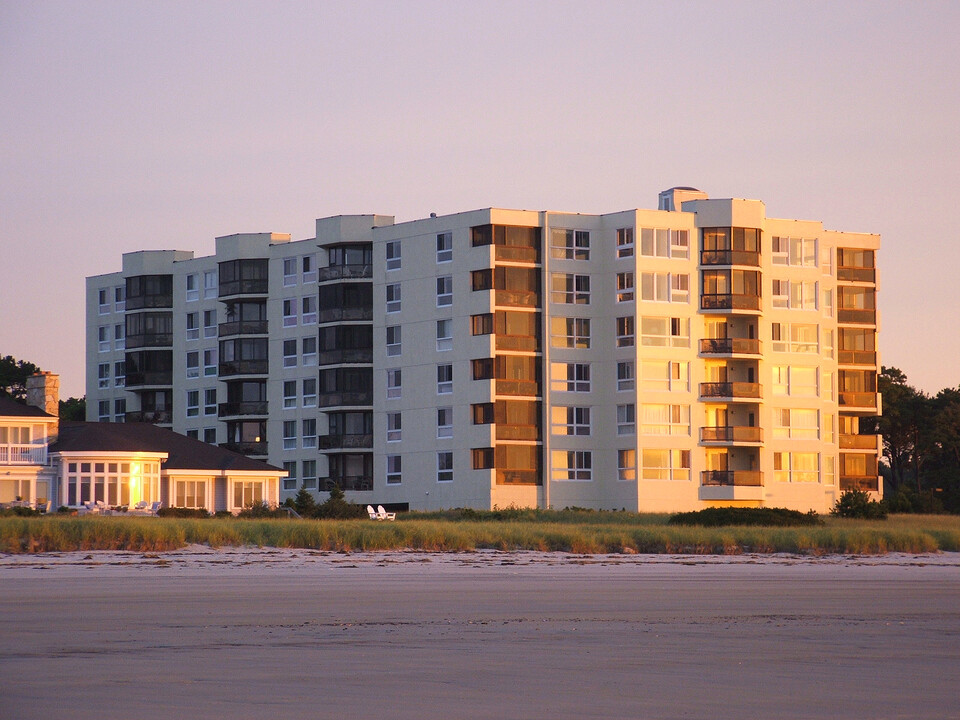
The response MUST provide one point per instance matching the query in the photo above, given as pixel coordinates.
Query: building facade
(654, 360)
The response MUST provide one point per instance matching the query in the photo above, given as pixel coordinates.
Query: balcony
(730, 257)
(518, 477)
(142, 302)
(517, 432)
(244, 367)
(858, 442)
(516, 298)
(156, 417)
(243, 327)
(348, 355)
(345, 442)
(517, 342)
(344, 272)
(526, 388)
(23, 454)
(857, 357)
(148, 340)
(745, 390)
(731, 434)
(231, 409)
(160, 378)
(246, 448)
(869, 483)
(729, 346)
(857, 400)
(516, 253)
(259, 286)
(735, 478)
(857, 316)
(356, 483)
(361, 398)
(856, 274)
(729, 301)
(340, 314)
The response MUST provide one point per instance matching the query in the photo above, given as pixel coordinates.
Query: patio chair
(372, 513)
(155, 507)
(384, 515)
(141, 508)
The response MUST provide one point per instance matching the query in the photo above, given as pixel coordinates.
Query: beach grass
(562, 531)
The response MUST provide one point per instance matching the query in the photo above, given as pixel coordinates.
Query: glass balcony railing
(730, 346)
(856, 274)
(345, 442)
(731, 434)
(746, 478)
(229, 409)
(729, 301)
(730, 257)
(730, 390)
(860, 482)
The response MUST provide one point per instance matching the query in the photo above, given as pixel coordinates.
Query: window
(665, 287)
(570, 244)
(290, 481)
(193, 403)
(393, 470)
(103, 375)
(668, 375)
(625, 242)
(310, 392)
(656, 242)
(572, 465)
(289, 434)
(796, 466)
(780, 250)
(309, 432)
(289, 394)
(120, 298)
(444, 335)
(679, 288)
(661, 419)
(781, 293)
(119, 410)
(309, 473)
(624, 287)
(289, 353)
(481, 324)
(780, 379)
(481, 279)
(289, 272)
(193, 326)
(666, 464)
(626, 419)
(210, 284)
(290, 312)
(103, 302)
(627, 465)
(193, 288)
(445, 466)
(483, 413)
(209, 362)
(444, 247)
(393, 340)
(803, 381)
(570, 377)
(794, 337)
(309, 346)
(120, 373)
(797, 295)
(444, 422)
(308, 315)
(482, 368)
(679, 244)
(209, 323)
(481, 458)
(118, 336)
(569, 332)
(103, 338)
(570, 420)
(626, 375)
(193, 364)
(444, 290)
(570, 289)
(393, 384)
(444, 379)
(799, 252)
(393, 256)
(665, 332)
(103, 411)
(625, 331)
(801, 423)
(394, 427)
(210, 435)
(393, 297)
(210, 401)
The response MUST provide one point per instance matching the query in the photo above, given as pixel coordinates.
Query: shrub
(18, 512)
(180, 512)
(261, 510)
(857, 504)
(721, 516)
(336, 507)
(304, 503)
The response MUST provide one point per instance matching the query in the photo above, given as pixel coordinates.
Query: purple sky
(134, 125)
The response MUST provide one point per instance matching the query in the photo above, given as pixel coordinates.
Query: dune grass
(566, 531)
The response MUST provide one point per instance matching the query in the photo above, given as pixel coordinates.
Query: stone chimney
(43, 391)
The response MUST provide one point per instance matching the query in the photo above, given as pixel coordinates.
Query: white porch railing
(23, 454)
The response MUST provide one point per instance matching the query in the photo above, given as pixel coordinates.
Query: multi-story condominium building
(655, 360)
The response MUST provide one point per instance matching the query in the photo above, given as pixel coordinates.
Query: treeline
(921, 445)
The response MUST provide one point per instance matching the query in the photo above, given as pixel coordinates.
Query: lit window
(665, 375)
(666, 464)
(627, 465)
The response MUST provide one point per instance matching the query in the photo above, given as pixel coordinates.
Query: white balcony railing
(23, 454)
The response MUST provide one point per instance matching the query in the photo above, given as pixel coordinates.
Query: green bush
(18, 512)
(336, 507)
(261, 510)
(857, 504)
(723, 516)
(304, 503)
(180, 512)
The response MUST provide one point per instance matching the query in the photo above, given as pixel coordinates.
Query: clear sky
(156, 125)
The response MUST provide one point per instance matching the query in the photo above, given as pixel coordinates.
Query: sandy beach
(246, 633)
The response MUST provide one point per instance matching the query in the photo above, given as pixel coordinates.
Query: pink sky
(128, 126)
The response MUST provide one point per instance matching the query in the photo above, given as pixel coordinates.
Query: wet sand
(239, 633)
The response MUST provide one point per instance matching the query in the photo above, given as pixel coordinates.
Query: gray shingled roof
(11, 408)
(184, 453)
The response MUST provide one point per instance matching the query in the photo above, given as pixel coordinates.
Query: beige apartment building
(654, 360)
